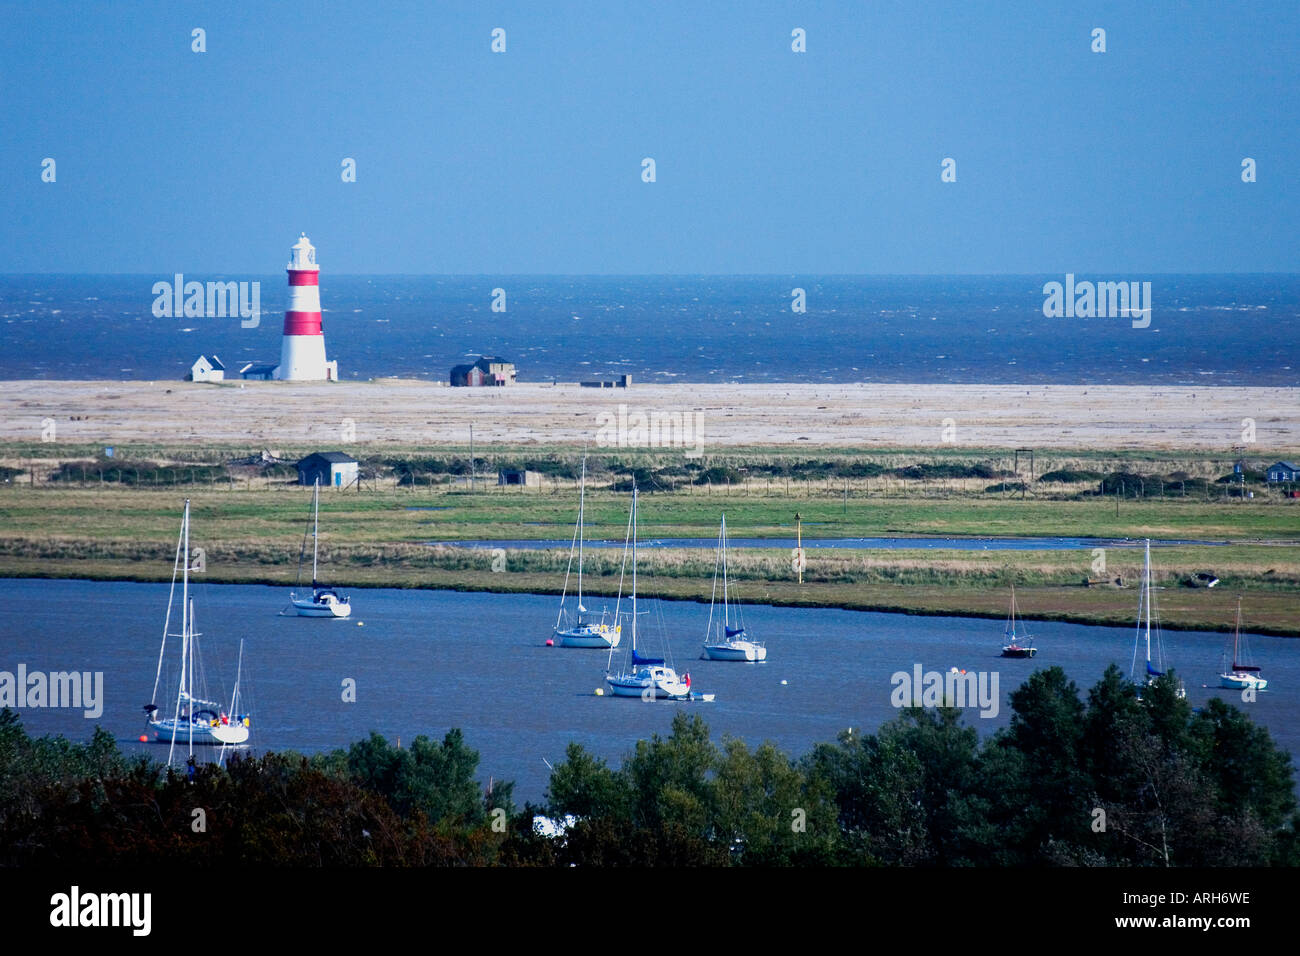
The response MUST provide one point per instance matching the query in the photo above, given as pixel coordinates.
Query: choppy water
(425, 661)
(1205, 330)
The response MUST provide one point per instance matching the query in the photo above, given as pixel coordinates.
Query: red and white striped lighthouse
(302, 351)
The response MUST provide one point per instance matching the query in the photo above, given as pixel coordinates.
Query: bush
(927, 471)
(1067, 476)
(142, 474)
(1006, 486)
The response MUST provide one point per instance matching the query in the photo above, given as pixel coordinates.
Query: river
(426, 661)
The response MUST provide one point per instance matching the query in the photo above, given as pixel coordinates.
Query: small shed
(253, 371)
(207, 370)
(1283, 471)
(524, 479)
(330, 468)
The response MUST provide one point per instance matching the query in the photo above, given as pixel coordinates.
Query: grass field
(253, 533)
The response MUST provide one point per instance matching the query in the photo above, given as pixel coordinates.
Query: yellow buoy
(600, 692)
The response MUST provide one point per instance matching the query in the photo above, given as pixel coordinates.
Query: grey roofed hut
(514, 476)
(1283, 471)
(330, 468)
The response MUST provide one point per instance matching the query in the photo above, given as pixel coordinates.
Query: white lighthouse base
(302, 359)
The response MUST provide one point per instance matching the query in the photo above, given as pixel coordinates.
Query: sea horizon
(1200, 329)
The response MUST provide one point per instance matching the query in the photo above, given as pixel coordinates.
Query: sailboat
(1241, 676)
(644, 677)
(324, 602)
(1013, 647)
(1146, 609)
(583, 632)
(194, 721)
(729, 643)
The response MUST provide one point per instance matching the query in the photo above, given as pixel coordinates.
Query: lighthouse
(302, 350)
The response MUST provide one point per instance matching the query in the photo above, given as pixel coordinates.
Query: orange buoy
(144, 739)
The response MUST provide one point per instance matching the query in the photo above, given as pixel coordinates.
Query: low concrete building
(623, 381)
(488, 370)
(524, 479)
(330, 468)
(207, 370)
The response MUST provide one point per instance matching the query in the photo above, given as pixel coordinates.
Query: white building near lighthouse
(302, 350)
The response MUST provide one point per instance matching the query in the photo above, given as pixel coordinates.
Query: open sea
(1205, 329)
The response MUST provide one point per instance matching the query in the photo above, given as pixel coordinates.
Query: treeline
(652, 473)
(1106, 780)
(621, 473)
(136, 473)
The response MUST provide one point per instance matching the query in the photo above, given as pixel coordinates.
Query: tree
(582, 785)
(767, 811)
(668, 777)
(1249, 773)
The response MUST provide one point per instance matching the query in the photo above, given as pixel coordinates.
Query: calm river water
(425, 661)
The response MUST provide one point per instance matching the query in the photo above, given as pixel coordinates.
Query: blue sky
(768, 161)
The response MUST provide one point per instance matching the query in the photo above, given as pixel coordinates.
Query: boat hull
(660, 683)
(1237, 681)
(602, 637)
(305, 607)
(736, 651)
(1019, 651)
(167, 731)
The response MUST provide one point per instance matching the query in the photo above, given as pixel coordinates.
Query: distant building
(259, 372)
(623, 381)
(207, 370)
(1283, 471)
(488, 370)
(525, 479)
(330, 468)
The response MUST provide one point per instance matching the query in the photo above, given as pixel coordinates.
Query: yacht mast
(315, 528)
(726, 608)
(171, 597)
(582, 495)
(634, 568)
(1146, 591)
(185, 630)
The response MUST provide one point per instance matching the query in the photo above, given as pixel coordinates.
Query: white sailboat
(194, 721)
(729, 643)
(1146, 614)
(583, 632)
(645, 677)
(1241, 676)
(1022, 646)
(323, 602)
